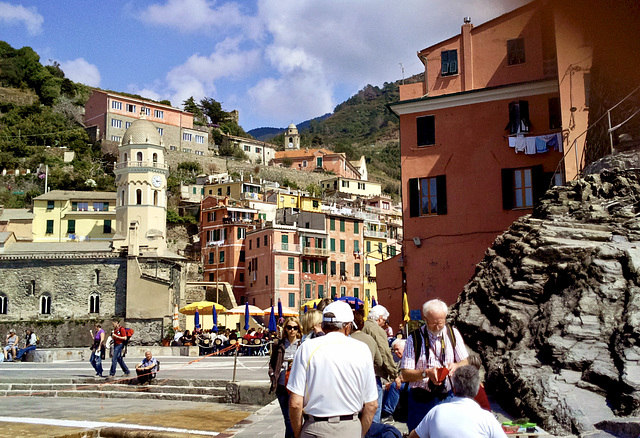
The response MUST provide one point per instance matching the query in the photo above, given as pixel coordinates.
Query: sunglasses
(292, 327)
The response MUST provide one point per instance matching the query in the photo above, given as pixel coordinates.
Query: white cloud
(79, 70)
(30, 17)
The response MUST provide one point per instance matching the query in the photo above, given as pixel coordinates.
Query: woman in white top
(30, 344)
(11, 342)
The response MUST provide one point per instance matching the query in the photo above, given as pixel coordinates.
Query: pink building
(316, 160)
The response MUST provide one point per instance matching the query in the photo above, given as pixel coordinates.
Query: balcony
(317, 252)
(378, 234)
(287, 247)
(156, 165)
(250, 196)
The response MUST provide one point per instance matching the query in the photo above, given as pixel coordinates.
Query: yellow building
(355, 187)
(67, 216)
(238, 190)
(295, 199)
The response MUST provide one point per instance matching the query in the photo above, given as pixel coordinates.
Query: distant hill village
(501, 115)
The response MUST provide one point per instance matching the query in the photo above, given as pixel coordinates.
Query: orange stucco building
(482, 138)
(317, 160)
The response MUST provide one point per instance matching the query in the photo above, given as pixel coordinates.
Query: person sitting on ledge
(30, 341)
(11, 342)
(146, 369)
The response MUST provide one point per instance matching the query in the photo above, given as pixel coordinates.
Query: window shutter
(441, 187)
(524, 116)
(444, 56)
(453, 61)
(539, 182)
(507, 189)
(414, 197)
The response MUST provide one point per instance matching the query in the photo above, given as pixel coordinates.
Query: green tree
(191, 106)
(213, 110)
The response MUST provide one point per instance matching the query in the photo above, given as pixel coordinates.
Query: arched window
(126, 157)
(94, 303)
(122, 198)
(139, 156)
(98, 277)
(155, 197)
(45, 304)
(139, 197)
(3, 304)
(155, 157)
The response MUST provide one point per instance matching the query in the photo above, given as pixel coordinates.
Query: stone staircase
(210, 391)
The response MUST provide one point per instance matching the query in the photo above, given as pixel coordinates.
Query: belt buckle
(334, 419)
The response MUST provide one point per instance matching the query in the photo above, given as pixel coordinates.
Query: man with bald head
(430, 352)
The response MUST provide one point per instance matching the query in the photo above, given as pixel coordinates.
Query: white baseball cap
(342, 312)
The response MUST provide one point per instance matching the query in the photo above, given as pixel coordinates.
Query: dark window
(515, 51)
(106, 228)
(332, 224)
(320, 291)
(241, 277)
(343, 245)
(45, 305)
(518, 117)
(333, 268)
(258, 242)
(342, 226)
(428, 196)
(356, 269)
(449, 62)
(74, 206)
(266, 280)
(221, 256)
(50, 205)
(292, 300)
(291, 279)
(333, 291)
(307, 290)
(291, 263)
(3, 304)
(266, 240)
(522, 187)
(332, 245)
(555, 116)
(211, 277)
(426, 129)
(343, 268)
(212, 256)
(356, 228)
(241, 258)
(71, 226)
(94, 303)
(138, 197)
(49, 226)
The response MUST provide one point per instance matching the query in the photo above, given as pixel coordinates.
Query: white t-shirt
(334, 374)
(460, 417)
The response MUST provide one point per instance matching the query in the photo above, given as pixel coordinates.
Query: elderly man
(332, 378)
(146, 368)
(392, 389)
(460, 417)
(373, 327)
(431, 352)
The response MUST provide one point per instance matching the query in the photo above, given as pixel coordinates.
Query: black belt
(335, 419)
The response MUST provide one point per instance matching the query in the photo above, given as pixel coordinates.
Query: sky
(275, 61)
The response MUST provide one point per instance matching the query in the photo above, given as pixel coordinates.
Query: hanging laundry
(519, 143)
(512, 142)
(530, 145)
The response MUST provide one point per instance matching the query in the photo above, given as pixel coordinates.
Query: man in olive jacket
(388, 370)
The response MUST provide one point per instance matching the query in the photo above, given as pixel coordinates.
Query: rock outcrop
(554, 307)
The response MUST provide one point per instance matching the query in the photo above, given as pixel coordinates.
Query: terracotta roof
(301, 153)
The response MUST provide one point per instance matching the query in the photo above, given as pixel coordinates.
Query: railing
(320, 252)
(290, 247)
(126, 164)
(371, 233)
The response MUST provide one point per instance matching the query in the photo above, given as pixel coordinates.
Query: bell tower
(141, 183)
(291, 138)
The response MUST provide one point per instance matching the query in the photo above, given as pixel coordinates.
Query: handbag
(103, 350)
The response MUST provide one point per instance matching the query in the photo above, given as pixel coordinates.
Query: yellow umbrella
(202, 306)
(253, 311)
(405, 308)
(310, 303)
(286, 311)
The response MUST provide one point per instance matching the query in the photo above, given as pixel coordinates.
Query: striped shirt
(437, 357)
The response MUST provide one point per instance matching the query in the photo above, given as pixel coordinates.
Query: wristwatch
(424, 374)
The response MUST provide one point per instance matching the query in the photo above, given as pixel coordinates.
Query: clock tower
(291, 138)
(141, 184)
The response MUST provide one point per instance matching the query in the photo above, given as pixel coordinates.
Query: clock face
(156, 181)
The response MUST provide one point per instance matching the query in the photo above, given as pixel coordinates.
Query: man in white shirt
(332, 378)
(461, 416)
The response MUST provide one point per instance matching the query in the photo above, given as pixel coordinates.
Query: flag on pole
(405, 308)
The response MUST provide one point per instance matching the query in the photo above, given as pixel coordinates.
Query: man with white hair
(431, 352)
(461, 417)
(332, 379)
(387, 370)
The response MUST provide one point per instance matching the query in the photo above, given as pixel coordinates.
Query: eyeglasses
(292, 327)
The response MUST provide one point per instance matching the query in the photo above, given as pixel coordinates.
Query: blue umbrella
(306, 309)
(246, 316)
(196, 319)
(357, 306)
(373, 303)
(215, 320)
(351, 300)
(272, 321)
(315, 305)
(280, 309)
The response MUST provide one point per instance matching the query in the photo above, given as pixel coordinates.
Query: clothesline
(536, 144)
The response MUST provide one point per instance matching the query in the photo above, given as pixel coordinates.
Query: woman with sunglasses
(280, 363)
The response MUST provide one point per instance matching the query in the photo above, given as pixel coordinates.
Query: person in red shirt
(119, 336)
(481, 398)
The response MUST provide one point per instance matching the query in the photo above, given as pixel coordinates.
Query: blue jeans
(283, 399)
(22, 351)
(118, 359)
(378, 414)
(391, 398)
(418, 410)
(96, 361)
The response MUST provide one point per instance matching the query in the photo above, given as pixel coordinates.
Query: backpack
(419, 340)
(129, 333)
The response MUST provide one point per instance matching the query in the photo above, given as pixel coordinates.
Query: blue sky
(275, 61)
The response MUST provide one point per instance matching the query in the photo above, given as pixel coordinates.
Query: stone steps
(171, 389)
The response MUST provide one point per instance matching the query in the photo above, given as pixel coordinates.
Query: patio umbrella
(286, 311)
(246, 316)
(306, 309)
(310, 303)
(215, 319)
(196, 319)
(280, 315)
(204, 306)
(241, 310)
(356, 305)
(272, 321)
(176, 321)
(350, 300)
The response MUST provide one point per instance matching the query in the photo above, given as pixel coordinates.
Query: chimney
(466, 52)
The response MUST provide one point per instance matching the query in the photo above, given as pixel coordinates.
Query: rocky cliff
(554, 307)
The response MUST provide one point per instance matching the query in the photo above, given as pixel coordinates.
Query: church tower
(291, 138)
(141, 184)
